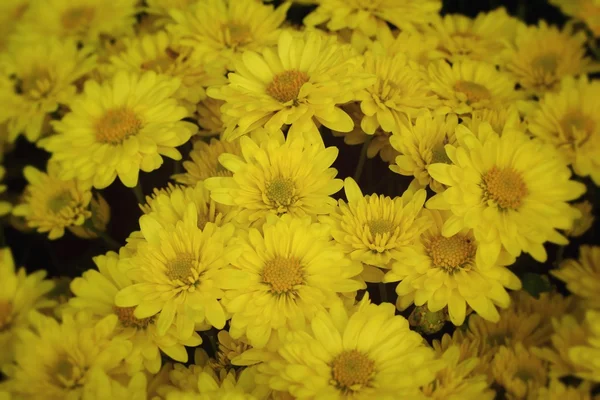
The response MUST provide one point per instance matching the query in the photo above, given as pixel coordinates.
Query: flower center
(438, 155)
(60, 201)
(380, 226)
(505, 187)
(280, 191)
(35, 84)
(117, 125)
(474, 91)
(6, 309)
(577, 127)
(236, 33)
(282, 274)
(66, 373)
(547, 63)
(286, 85)
(182, 268)
(351, 370)
(161, 63)
(128, 320)
(452, 253)
(77, 18)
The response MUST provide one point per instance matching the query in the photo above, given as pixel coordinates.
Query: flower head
(585, 222)
(582, 276)
(204, 161)
(519, 371)
(587, 11)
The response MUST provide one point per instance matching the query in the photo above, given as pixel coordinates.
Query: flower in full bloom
(119, 128)
(510, 189)
(582, 276)
(519, 371)
(585, 222)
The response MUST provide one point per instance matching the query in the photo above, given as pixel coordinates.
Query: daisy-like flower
(179, 273)
(444, 271)
(299, 82)
(368, 353)
(368, 16)
(585, 222)
(5, 206)
(76, 352)
(421, 144)
(556, 390)
(499, 118)
(37, 78)
(582, 276)
(373, 229)
(278, 177)
(204, 161)
(467, 85)
(229, 348)
(119, 128)
(511, 190)
(587, 11)
(286, 275)
(221, 30)
(19, 294)
(544, 55)
(95, 292)
(570, 120)
(519, 371)
(51, 204)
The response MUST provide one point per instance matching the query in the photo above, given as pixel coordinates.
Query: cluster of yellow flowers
(258, 258)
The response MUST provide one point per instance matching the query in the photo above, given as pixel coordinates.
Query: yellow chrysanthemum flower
(204, 161)
(179, 272)
(585, 222)
(36, 79)
(299, 83)
(570, 120)
(229, 348)
(208, 113)
(95, 292)
(373, 229)
(511, 190)
(285, 275)
(587, 11)
(65, 360)
(556, 390)
(51, 204)
(444, 271)
(278, 177)
(368, 16)
(421, 144)
(369, 353)
(582, 276)
(500, 119)
(482, 38)
(119, 128)
(221, 30)
(544, 55)
(467, 85)
(417, 47)
(5, 206)
(19, 294)
(519, 372)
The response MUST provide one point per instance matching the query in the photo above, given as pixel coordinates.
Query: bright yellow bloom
(119, 128)
(511, 190)
(467, 85)
(421, 144)
(369, 16)
(299, 83)
(51, 204)
(556, 390)
(5, 206)
(229, 348)
(582, 276)
(417, 47)
(285, 275)
(519, 372)
(221, 30)
(587, 11)
(64, 360)
(278, 177)
(19, 293)
(585, 222)
(95, 292)
(37, 78)
(444, 271)
(570, 120)
(204, 161)
(179, 272)
(544, 55)
(500, 119)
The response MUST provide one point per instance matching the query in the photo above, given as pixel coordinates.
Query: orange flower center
(505, 187)
(352, 369)
(474, 91)
(451, 253)
(128, 320)
(282, 274)
(117, 125)
(286, 85)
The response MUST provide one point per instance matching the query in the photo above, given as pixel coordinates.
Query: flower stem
(382, 292)
(361, 161)
(139, 193)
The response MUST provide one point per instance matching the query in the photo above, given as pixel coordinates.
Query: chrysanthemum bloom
(208, 114)
(62, 360)
(467, 85)
(229, 348)
(373, 229)
(544, 55)
(556, 390)
(500, 119)
(370, 16)
(519, 372)
(95, 292)
(587, 11)
(418, 47)
(585, 222)
(179, 273)
(482, 38)
(300, 82)
(368, 353)
(278, 177)
(37, 78)
(421, 144)
(19, 293)
(204, 161)
(570, 121)
(511, 190)
(51, 204)
(5, 206)
(582, 276)
(286, 275)
(221, 30)
(444, 271)
(119, 128)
